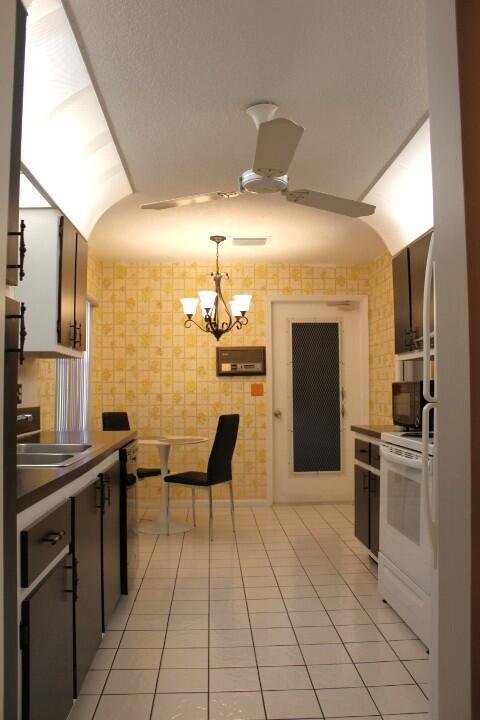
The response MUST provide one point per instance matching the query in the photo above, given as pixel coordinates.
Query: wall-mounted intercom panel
(241, 361)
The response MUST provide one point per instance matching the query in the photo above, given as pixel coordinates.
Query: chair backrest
(220, 460)
(115, 421)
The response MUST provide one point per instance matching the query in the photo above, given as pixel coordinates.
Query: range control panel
(241, 361)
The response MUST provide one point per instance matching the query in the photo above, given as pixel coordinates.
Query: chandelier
(211, 302)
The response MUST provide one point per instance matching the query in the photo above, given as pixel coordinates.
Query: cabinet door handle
(73, 335)
(108, 491)
(99, 489)
(23, 333)
(75, 580)
(366, 484)
(23, 250)
(53, 537)
(25, 417)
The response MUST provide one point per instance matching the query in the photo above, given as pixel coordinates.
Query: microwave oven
(407, 403)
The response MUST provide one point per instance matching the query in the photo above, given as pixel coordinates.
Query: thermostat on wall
(241, 361)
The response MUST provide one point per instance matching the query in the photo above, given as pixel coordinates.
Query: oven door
(404, 538)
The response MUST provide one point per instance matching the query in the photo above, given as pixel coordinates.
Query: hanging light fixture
(235, 317)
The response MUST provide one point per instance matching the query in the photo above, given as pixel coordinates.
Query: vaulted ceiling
(175, 76)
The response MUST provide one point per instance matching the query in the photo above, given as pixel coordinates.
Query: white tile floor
(282, 621)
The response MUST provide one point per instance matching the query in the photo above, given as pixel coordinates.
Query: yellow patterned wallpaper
(144, 360)
(164, 375)
(381, 339)
(45, 370)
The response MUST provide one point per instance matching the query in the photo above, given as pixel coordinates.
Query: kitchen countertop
(34, 484)
(375, 430)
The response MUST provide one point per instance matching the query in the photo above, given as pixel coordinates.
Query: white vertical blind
(72, 391)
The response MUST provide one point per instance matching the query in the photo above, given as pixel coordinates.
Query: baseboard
(151, 504)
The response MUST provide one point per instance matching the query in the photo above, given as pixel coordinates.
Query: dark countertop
(375, 430)
(34, 484)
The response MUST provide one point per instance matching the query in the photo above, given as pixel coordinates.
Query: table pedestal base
(159, 527)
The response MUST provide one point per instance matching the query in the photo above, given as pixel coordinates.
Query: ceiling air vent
(249, 240)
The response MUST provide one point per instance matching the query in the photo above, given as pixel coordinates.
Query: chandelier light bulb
(189, 306)
(236, 312)
(242, 302)
(207, 299)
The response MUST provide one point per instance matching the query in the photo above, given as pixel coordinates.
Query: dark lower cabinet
(111, 583)
(367, 508)
(374, 484)
(362, 505)
(47, 647)
(96, 549)
(86, 524)
(10, 619)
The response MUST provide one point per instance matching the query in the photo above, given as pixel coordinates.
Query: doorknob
(277, 413)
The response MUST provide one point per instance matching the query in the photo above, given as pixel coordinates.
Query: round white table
(158, 526)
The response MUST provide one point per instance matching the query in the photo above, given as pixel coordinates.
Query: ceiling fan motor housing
(251, 182)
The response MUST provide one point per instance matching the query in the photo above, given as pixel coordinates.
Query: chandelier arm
(189, 322)
(230, 322)
(241, 322)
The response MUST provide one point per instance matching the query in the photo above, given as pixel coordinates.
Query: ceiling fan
(277, 142)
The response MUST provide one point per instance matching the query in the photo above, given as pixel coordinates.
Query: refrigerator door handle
(427, 497)
(427, 287)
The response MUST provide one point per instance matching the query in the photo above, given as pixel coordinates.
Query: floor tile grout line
(373, 623)
(286, 610)
(249, 620)
(402, 662)
(298, 641)
(123, 632)
(344, 645)
(287, 537)
(168, 619)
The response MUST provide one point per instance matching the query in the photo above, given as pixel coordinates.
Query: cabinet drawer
(375, 456)
(42, 542)
(362, 451)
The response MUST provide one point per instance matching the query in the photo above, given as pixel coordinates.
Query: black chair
(119, 421)
(219, 469)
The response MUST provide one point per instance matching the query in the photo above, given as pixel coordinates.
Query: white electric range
(405, 558)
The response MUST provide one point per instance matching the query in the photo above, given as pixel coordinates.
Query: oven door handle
(432, 525)
(427, 289)
(400, 460)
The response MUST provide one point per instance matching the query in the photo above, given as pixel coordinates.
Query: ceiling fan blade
(332, 203)
(189, 200)
(276, 144)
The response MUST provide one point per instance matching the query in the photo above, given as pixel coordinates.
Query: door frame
(273, 300)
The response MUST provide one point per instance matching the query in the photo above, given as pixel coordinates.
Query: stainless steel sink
(43, 459)
(44, 448)
(41, 455)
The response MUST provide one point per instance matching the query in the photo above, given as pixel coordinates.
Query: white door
(312, 442)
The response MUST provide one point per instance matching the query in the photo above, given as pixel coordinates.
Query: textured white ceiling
(176, 75)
